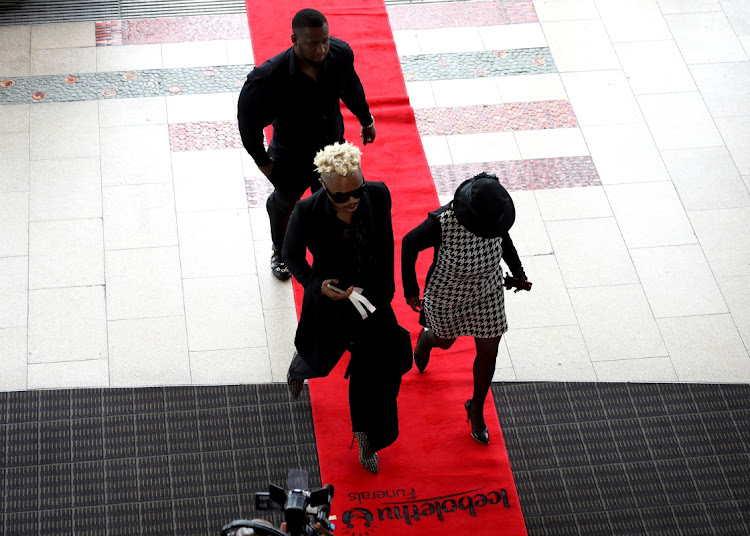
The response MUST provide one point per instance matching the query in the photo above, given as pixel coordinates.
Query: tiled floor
(134, 244)
(620, 129)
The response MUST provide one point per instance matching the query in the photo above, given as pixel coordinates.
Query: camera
(302, 508)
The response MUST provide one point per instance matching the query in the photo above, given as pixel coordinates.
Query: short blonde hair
(340, 158)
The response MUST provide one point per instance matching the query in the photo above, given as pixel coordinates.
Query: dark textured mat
(629, 458)
(179, 461)
(587, 458)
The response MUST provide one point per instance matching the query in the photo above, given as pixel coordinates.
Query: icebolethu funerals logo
(371, 513)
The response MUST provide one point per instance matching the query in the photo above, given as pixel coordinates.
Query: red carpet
(435, 479)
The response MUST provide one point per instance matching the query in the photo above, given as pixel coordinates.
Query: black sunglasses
(343, 197)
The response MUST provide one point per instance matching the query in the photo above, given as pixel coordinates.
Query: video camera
(302, 508)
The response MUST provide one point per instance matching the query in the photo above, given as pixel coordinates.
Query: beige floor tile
(135, 155)
(216, 243)
(706, 178)
(69, 375)
(678, 281)
(738, 13)
(226, 367)
(580, 45)
(573, 203)
(436, 150)
(551, 143)
(602, 98)
(224, 313)
(531, 87)
(65, 189)
(591, 253)
(625, 154)
(507, 36)
(143, 283)
(617, 323)
(724, 236)
(655, 67)
(148, 351)
(549, 354)
(705, 37)
(679, 121)
(649, 369)
(468, 148)
(706, 349)
(446, 40)
(281, 326)
(670, 7)
(736, 134)
(15, 59)
(274, 294)
(465, 92)
(420, 94)
(64, 130)
(561, 10)
(14, 117)
(14, 286)
(66, 253)
(14, 164)
(63, 61)
(636, 20)
(194, 108)
(133, 112)
(67, 35)
(13, 350)
(260, 225)
(194, 54)
(546, 304)
(407, 43)
(225, 190)
(128, 58)
(736, 291)
(239, 52)
(67, 324)
(14, 224)
(724, 87)
(529, 234)
(650, 215)
(139, 216)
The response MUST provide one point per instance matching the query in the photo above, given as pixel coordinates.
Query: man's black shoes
(279, 269)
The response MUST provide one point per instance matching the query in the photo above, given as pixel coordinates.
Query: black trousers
(374, 373)
(291, 176)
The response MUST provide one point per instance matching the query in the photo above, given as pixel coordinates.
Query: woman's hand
(326, 290)
(415, 303)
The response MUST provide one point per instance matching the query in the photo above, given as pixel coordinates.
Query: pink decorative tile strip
(495, 118)
(108, 32)
(258, 189)
(538, 174)
(174, 30)
(204, 135)
(458, 14)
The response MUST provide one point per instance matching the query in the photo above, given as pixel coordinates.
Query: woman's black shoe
(483, 436)
(420, 359)
(279, 269)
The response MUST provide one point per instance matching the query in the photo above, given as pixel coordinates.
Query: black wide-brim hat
(484, 207)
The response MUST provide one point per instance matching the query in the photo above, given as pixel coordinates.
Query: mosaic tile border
(536, 174)
(119, 84)
(462, 65)
(450, 14)
(172, 30)
(536, 115)
(204, 135)
(217, 79)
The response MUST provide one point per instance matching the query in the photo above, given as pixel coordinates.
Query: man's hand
(267, 169)
(368, 134)
(325, 290)
(415, 303)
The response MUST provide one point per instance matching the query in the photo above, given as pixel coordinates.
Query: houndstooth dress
(464, 294)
